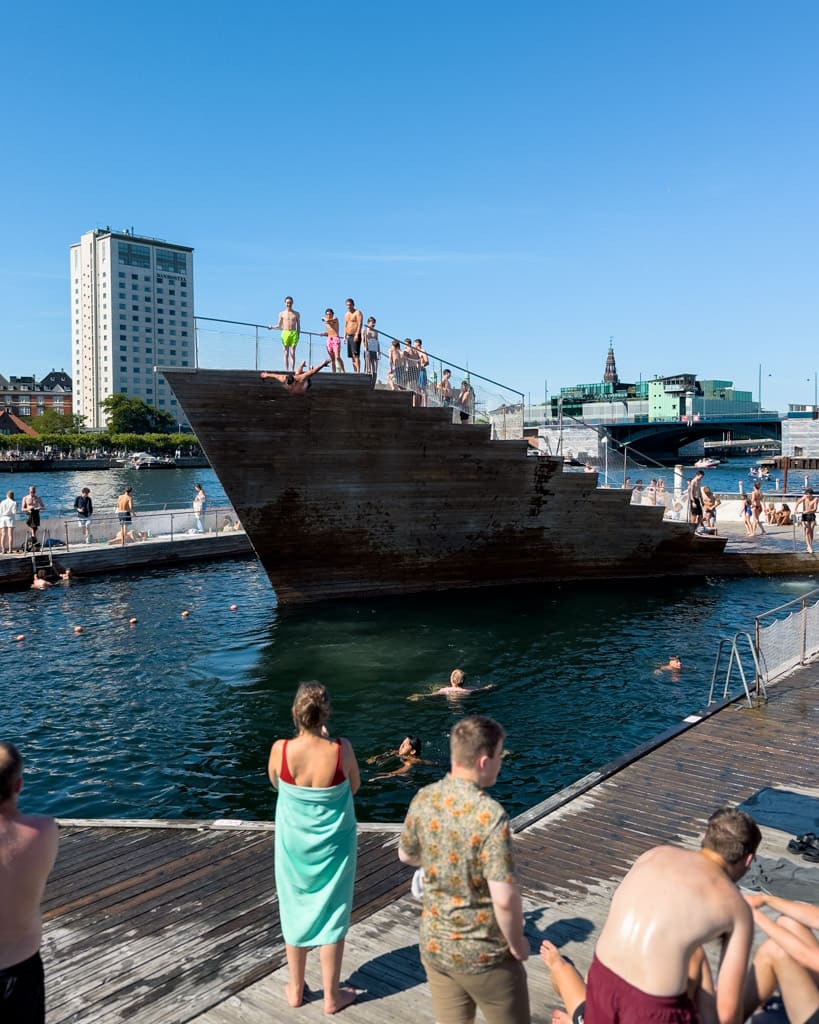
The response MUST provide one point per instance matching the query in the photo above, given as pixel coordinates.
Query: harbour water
(174, 716)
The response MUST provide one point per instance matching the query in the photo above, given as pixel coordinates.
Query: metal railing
(788, 636)
(169, 525)
(236, 344)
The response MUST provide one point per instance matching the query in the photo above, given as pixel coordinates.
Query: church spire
(610, 374)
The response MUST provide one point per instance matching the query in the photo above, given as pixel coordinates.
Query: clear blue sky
(513, 187)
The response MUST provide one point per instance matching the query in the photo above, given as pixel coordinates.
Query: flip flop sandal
(804, 842)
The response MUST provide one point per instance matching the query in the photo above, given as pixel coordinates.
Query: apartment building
(131, 313)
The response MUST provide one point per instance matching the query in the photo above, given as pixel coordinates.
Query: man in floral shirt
(471, 942)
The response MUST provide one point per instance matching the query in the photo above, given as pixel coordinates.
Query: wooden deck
(179, 923)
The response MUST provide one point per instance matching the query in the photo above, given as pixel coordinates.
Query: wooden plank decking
(176, 924)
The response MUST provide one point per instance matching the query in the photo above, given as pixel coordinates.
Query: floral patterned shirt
(463, 840)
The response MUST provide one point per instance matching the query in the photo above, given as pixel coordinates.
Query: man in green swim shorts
(289, 323)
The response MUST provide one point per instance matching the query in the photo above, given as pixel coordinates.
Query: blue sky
(512, 187)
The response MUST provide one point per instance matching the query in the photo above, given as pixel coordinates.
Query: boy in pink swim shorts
(333, 340)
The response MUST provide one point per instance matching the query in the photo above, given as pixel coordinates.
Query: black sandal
(808, 841)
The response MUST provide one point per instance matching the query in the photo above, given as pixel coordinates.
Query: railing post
(257, 348)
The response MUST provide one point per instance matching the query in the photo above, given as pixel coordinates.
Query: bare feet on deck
(346, 996)
(294, 994)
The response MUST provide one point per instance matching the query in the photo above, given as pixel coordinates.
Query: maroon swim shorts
(610, 1000)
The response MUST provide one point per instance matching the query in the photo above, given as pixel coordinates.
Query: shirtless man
(32, 505)
(40, 581)
(299, 381)
(353, 320)
(289, 323)
(808, 503)
(333, 340)
(125, 512)
(695, 498)
(648, 964)
(28, 849)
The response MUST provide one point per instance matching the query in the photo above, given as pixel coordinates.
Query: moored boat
(707, 463)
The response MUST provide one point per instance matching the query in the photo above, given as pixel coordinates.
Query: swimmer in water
(409, 752)
(456, 687)
(674, 665)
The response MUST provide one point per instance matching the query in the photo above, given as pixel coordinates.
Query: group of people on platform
(649, 963)
(408, 366)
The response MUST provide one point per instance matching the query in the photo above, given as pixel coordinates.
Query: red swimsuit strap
(286, 776)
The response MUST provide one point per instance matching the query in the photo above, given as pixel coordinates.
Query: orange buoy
(20, 636)
(133, 621)
(185, 614)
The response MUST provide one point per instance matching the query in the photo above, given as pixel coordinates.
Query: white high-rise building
(131, 312)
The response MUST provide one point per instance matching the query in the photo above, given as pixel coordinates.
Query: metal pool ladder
(732, 643)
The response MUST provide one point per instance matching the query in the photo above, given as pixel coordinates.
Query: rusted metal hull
(349, 491)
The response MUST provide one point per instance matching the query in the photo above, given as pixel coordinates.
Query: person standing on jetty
(808, 503)
(315, 853)
(84, 507)
(695, 498)
(757, 507)
(28, 850)
(333, 340)
(125, 513)
(32, 505)
(353, 320)
(471, 941)
(8, 510)
(649, 964)
(289, 323)
(200, 504)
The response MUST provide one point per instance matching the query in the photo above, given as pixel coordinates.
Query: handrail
(733, 658)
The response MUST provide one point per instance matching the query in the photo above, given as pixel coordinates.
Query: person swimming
(456, 687)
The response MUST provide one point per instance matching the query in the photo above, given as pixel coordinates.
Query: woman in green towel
(315, 851)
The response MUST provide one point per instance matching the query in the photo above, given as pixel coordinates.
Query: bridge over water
(663, 439)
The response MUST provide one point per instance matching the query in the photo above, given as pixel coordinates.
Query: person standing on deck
(372, 349)
(423, 363)
(289, 323)
(471, 942)
(200, 504)
(28, 850)
(649, 964)
(8, 510)
(84, 507)
(808, 503)
(32, 505)
(695, 498)
(757, 506)
(125, 513)
(333, 340)
(353, 320)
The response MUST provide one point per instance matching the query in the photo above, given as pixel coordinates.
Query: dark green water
(175, 716)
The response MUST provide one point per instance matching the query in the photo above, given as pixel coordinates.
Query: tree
(52, 422)
(133, 416)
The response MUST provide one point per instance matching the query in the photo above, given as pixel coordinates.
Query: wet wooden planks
(178, 924)
(157, 924)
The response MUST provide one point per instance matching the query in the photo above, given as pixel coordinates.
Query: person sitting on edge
(788, 960)
(296, 383)
(649, 964)
(783, 516)
(456, 687)
(409, 751)
(28, 850)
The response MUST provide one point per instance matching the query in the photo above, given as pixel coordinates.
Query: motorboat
(706, 463)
